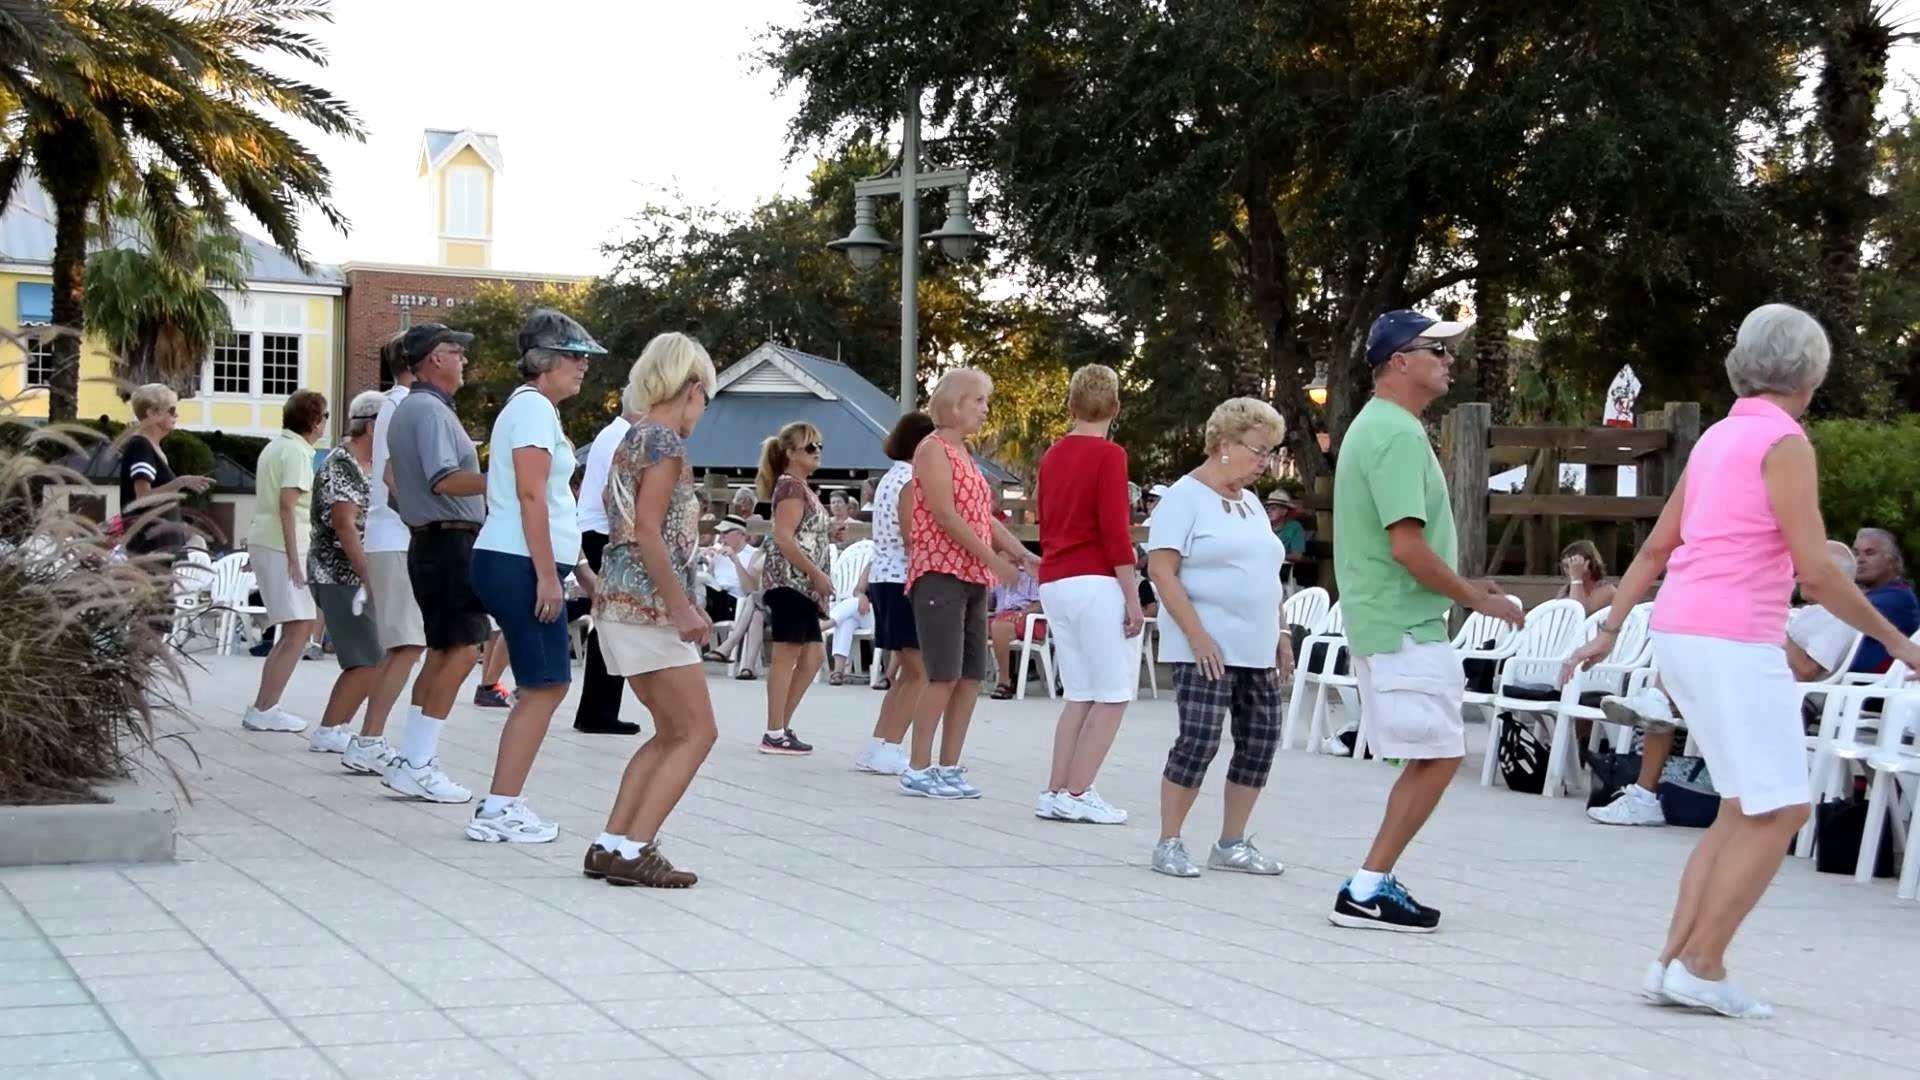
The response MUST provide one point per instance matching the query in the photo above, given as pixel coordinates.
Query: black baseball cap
(546, 328)
(422, 339)
(1394, 330)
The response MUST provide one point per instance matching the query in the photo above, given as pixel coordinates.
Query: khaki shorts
(1410, 701)
(285, 602)
(396, 616)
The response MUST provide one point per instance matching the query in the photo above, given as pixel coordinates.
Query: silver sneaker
(1170, 857)
(1242, 856)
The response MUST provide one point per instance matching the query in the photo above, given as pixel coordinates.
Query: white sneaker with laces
(424, 782)
(1634, 805)
(516, 824)
(368, 757)
(330, 740)
(882, 760)
(1059, 806)
(1098, 811)
(274, 719)
(1334, 746)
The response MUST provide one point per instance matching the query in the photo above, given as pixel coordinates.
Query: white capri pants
(848, 621)
(1741, 704)
(1087, 620)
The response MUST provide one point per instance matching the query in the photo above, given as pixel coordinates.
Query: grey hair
(1779, 350)
(363, 412)
(1892, 544)
(1842, 557)
(536, 361)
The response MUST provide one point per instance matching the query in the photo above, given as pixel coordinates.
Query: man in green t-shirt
(1394, 554)
(1283, 515)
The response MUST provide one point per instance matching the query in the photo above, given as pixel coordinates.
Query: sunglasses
(1436, 348)
(815, 448)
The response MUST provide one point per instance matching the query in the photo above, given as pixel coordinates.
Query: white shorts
(629, 649)
(1740, 702)
(284, 602)
(1087, 620)
(1410, 701)
(396, 615)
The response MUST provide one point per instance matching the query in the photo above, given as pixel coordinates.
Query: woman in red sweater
(1088, 590)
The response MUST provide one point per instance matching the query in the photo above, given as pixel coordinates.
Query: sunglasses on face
(1435, 347)
(814, 448)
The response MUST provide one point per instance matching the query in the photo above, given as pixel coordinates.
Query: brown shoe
(595, 864)
(651, 869)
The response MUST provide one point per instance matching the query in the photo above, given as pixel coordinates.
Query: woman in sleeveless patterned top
(799, 589)
(1741, 524)
(644, 612)
(956, 549)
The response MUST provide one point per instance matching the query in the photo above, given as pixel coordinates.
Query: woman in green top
(276, 553)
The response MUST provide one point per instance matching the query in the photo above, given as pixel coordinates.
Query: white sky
(600, 105)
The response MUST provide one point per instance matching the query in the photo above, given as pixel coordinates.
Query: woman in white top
(530, 542)
(1215, 564)
(600, 693)
(893, 629)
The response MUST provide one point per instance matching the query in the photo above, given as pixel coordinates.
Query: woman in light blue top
(529, 544)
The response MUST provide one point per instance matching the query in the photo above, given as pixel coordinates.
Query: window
(40, 360)
(232, 364)
(279, 364)
(467, 203)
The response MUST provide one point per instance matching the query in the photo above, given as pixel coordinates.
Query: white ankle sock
(896, 747)
(421, 739)
(494, 804)
(874, 744)
(1365, 884)
(631, 849)
(609, 841)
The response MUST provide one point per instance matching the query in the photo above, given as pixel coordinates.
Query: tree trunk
(1492, 349)
(69, 292)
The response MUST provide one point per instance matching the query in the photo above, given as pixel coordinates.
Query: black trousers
(600, 693)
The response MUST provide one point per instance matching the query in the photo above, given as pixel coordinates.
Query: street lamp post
(865, 245)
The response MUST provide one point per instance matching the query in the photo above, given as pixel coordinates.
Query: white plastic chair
(233, 582)
(1150, 653)
(1838, 745)
(1892, 755)
(848, 564)
(1312, 682)
(1029, 651)
(1632, 650)
(1551, 631)
(1307, 608)
(192, 600)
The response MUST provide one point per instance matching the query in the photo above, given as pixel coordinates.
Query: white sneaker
(330, 740)
(1652, 703)
(1335, 746)
(875, 759)
(896, 761)
(274, 719)
(1099, 811)
(368, 757)
(516, 824)
(424, 782)
(1634, 805)
(1047, 806)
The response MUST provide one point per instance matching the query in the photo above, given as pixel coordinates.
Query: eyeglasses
(173, 410)
(1264, 455)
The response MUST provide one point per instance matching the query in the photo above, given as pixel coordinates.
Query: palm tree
(166, 100)
(156, 306)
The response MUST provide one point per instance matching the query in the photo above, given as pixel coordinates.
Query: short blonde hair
(668, 363)
(1235, 417)
(151, 398)
(951, 385)
(1093, 394)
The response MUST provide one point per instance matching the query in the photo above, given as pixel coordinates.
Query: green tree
(156, 305)
(494, 316)
(171, 101)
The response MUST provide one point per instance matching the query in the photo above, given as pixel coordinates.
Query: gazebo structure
(773, 386)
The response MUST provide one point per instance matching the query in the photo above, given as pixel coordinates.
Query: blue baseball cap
(1391, 333)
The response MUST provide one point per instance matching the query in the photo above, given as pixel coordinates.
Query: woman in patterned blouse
(650, 628)
(795, 574)
(337, 570)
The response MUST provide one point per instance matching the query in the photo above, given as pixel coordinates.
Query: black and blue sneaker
(1391, 908)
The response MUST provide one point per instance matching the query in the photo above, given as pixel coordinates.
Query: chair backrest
(1335, 622)
(1482, 631)
(1306, 608)
(1552, 629)
(848, 565)
(227, 586)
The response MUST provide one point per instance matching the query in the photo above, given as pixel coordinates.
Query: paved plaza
(315, 927)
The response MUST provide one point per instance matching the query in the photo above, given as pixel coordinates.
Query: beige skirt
(629, 649)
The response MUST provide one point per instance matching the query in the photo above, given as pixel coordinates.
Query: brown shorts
(950, 618)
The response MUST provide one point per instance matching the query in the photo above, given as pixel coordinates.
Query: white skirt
(1739, 700)
(284, 601)
(629, 649)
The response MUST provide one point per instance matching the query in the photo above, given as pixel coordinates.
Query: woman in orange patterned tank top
(957, 549)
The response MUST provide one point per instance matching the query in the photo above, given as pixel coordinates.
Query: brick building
(383, 299)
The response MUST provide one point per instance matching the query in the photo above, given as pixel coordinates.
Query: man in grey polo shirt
(440, 493)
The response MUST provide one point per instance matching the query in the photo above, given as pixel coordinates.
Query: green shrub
(1870, 476)
(190, 455)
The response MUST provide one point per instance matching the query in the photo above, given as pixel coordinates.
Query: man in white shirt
(600, 693)
(1818, 644)
(396, 615)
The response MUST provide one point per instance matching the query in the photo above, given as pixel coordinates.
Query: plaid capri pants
(1251, 697)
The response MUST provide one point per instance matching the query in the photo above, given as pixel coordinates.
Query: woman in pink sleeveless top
(1742, 521)
(951, 560)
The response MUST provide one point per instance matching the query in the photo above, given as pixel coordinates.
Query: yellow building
(461, 168)
(286, 335)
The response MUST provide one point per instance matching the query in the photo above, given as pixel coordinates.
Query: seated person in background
(727, 572)
(1817, 643)
(1586, 576)
(1011, 607)
(849, 615)
(1880, 577)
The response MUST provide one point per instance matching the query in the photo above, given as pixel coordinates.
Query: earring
(1224, 459)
